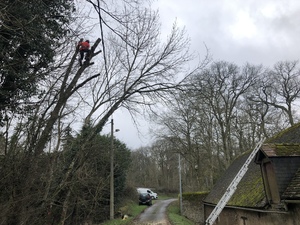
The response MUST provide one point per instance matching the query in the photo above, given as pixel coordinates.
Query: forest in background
(208, 115)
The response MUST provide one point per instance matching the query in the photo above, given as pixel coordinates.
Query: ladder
(232, 187)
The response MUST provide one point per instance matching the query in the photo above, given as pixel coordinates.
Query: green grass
(174, 216)
(133, 209)
(164, 197)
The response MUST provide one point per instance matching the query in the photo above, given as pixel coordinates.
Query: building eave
(249, 209)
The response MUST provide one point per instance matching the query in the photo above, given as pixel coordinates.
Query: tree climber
(84, 47)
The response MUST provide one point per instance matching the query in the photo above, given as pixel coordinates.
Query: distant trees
(142, 171)
(220, 89)
(224, 110)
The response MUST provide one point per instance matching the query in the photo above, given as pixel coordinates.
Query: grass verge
(173, 212)
(133, 209)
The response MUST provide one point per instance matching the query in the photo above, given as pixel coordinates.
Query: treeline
(222, 112)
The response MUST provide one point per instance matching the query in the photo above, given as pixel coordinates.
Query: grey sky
(239, 31)
(259, 32)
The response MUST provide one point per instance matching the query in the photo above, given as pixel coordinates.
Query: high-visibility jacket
(84, 45)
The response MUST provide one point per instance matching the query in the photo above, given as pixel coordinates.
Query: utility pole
(180, 186)
(112, 185)
(112, 197)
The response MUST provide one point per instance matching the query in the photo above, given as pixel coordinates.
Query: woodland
(54, 157)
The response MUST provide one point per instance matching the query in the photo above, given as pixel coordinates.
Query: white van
(151, 193)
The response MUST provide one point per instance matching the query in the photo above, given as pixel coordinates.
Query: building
(269, 193)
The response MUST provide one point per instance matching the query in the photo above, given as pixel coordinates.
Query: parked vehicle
(152, 194)
(145, 198)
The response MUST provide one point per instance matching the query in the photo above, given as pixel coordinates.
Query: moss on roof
(289, 135)
(293, 190)
(250, 191)
(194, 196)
(287, 149)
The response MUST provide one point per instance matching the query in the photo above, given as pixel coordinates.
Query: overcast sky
(239, 31)
(255, 31)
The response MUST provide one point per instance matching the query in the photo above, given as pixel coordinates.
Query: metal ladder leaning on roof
(232, 187)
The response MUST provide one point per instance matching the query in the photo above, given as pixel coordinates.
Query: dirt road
(155, 214)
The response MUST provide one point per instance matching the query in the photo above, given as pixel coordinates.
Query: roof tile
(293, 190)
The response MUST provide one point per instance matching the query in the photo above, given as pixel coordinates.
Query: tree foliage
(69, 186)
(30, 33)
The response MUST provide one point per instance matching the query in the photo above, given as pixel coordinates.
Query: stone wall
(192, 206)
(230, 216)
(194, 209)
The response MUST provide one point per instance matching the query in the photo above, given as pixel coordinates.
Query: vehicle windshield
(144, 193)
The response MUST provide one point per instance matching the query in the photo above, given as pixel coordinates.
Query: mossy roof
(292, 192)
(281, 149)
(284, 143)
(250, 191)
(290, 135)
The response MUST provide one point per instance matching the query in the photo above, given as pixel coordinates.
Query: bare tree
(207, 120)
(138, 68)
(219, 117)
(220, 88)
(280, 88)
